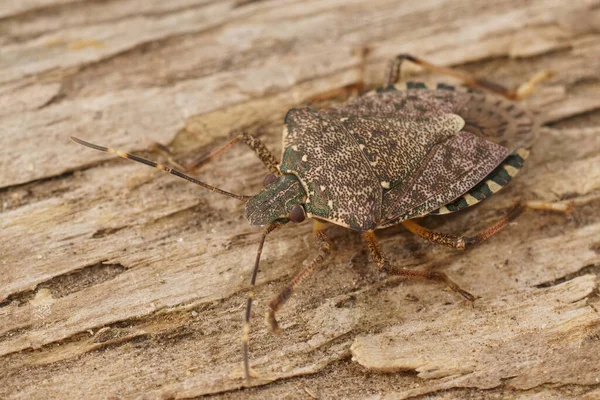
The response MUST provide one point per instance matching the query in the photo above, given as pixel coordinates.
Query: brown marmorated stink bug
(381, 159)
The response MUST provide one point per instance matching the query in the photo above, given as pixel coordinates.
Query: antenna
(172, 171)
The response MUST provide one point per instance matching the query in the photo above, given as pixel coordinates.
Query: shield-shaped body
(394, 154)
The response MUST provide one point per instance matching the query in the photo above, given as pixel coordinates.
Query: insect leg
(462, 242)
(253, 142)
(168, 154)
(248, 313)
(384, 265)
(566, 208)
(393, 74)
(324, 244)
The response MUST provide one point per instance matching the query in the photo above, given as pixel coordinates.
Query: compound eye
(297, 214)
(269, 179)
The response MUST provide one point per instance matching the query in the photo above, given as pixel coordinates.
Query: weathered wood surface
(118, 281)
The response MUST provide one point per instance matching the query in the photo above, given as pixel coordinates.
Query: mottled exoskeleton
(384, 158)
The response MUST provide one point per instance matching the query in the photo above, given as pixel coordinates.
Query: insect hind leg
(384, 265)
(464, 242)
(522, 91)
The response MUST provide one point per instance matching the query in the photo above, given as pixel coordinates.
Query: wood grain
(118, 281)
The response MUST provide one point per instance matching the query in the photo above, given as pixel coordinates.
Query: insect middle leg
(324, 244)
(393, 74)
(253, 142)
(384, 265)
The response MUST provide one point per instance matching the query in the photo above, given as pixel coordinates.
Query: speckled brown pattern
(275, 201)
(340, 185)
(492, 184)
(399, 152)
(488, 116)
(396, 147)
(451, 169)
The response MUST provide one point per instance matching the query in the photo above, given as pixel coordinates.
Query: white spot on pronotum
(305, 158)
(373, 163)
(295, 148)
(343, 119)
(323, 188)
(385, 185)
(330, 203)
(361, 146)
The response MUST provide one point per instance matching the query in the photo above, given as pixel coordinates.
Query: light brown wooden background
(118, 281)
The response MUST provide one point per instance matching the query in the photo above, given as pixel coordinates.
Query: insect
(384, 158)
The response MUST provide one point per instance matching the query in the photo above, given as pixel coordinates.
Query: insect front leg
(324, 244)
(168, 154)
(384, 265)
(253, 142)
(522, 91)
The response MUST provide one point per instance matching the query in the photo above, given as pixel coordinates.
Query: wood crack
(66, 284)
